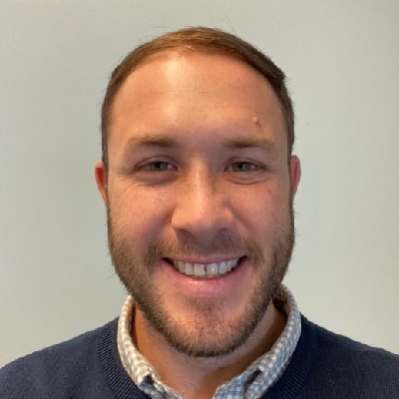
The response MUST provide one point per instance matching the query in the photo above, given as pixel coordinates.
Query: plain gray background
(342, 60)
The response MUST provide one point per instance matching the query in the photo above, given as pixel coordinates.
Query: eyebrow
(151, 141)
(252, 142)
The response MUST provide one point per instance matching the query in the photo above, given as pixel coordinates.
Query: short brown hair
(203, 40)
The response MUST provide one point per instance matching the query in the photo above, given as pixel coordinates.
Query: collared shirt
(251, 384)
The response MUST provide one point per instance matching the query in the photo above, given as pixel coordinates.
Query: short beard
(209, 334)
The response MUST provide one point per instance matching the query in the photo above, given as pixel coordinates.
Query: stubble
(209, 333)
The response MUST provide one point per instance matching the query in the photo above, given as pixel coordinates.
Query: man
(198, 179)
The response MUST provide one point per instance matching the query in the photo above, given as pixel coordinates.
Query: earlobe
(101, 179)
(295, 174)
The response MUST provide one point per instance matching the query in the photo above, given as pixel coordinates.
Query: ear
(101, 180)
(295, 175)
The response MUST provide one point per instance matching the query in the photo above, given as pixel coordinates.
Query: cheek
(260, 211)
(137, 214)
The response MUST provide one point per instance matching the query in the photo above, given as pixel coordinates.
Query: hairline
(180, 48)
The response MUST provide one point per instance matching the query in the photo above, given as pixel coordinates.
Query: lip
(202, 287)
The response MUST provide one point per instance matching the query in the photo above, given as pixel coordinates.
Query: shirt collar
(252, 383)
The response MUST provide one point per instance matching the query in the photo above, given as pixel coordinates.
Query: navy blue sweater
(324, 365)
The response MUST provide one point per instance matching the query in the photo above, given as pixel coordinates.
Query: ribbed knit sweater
(324, 365)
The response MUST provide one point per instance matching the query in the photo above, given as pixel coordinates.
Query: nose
(202, 207)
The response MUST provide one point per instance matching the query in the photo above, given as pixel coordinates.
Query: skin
(175, 178)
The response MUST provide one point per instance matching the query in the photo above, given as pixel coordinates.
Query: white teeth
(188, 269)
(223, 268)
(231, 264)
(199, 270)
(212, 269)
(205, 270)
(180, 266)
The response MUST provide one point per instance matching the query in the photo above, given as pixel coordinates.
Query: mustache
(221, 245)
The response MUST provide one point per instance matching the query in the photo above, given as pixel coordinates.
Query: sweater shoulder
(55, 371)
(340, 344)
(346, 368)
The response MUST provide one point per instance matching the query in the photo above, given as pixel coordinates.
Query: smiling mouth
(207, 270)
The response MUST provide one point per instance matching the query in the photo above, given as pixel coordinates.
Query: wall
(342, 60)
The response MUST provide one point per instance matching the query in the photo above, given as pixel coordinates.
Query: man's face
(199, 183)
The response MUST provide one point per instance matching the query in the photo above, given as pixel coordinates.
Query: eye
(156, 166)
(244, 167)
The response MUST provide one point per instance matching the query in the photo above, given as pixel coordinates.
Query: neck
(198, 378)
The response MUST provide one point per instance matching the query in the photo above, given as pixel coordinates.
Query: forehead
(194, 93)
